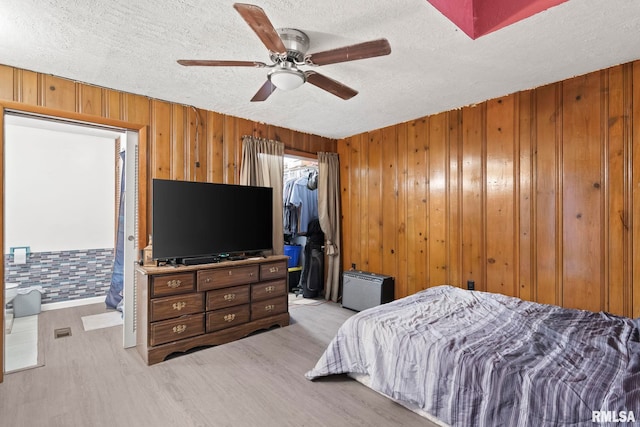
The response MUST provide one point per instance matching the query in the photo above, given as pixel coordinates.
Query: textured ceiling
(133, 45)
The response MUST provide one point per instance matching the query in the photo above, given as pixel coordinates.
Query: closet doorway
(303, 238)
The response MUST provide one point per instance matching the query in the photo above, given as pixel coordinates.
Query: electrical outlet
(471, 285)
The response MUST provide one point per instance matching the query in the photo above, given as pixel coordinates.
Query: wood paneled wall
(535, 194)
(184, 143)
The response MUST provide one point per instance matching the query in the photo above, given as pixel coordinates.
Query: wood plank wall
(535, 194)
(185, 143)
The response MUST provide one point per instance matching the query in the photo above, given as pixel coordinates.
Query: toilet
(26, 301)
(10, 292)
(30, 298)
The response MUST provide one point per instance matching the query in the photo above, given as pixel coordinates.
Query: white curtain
(329, 216)
(263, 165)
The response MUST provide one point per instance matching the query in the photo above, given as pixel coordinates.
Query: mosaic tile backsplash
(64, 275)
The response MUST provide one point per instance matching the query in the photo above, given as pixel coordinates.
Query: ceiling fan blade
(354, 52)
(214, 63)
(263, 93)
(332, 86)
(260, 24)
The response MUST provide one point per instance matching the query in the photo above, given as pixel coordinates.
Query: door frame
(80, 118)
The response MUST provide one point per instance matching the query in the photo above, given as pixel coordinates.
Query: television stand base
(200, 260)
(260, 254)
(173, 262)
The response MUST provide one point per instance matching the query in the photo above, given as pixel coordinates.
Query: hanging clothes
(305, 200)
(299, 200)
(311, 282)
(289, 211)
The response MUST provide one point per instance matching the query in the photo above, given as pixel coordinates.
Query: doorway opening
(60, 215)
(303, 237)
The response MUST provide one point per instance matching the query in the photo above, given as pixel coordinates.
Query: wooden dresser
(184, 307)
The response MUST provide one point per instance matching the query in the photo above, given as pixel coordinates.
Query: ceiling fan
(288, 51)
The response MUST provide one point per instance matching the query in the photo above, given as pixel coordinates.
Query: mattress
(366, 381)
(472, 358)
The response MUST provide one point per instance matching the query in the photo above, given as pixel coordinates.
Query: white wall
(59, 189)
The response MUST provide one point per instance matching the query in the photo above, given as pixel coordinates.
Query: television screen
(195, 219)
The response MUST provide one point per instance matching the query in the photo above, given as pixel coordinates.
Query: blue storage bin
(293, 252)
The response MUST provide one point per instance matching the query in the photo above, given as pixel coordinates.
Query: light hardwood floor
(89, 380)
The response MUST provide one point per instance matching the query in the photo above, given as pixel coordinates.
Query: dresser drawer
(177, 305)
(269, 307)
(266, 290)
(227, 317)
(227, 297)
(172, 284)
(273, 270)
(216, 278)
(176, 329)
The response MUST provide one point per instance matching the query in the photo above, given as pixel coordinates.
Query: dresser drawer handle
(179, 305)
(229, 297)
(178, 329)
(208, 279)
(270, 289)
(274, 270)
(229, 317)
(174, 283)
(269, 307)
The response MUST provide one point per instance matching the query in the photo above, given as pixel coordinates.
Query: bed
(470, 358)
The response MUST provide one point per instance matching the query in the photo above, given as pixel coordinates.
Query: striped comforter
(481, 359)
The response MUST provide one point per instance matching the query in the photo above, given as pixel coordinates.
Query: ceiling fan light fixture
(287, 49)
(287, 78)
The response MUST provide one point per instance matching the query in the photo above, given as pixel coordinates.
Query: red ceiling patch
(479, 17)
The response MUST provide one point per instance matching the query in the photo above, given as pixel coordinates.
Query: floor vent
(62, 332)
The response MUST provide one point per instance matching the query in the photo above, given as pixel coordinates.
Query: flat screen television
(196, 219)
